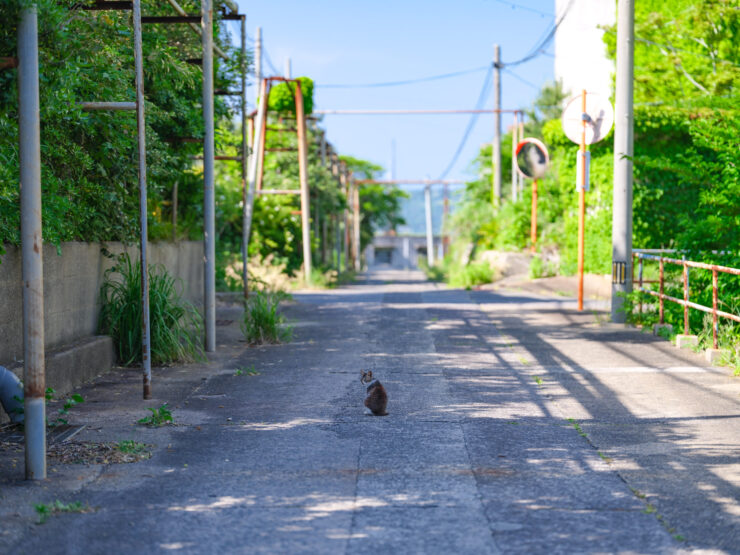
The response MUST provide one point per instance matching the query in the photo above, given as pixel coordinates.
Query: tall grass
(176, 326)
(262, 323)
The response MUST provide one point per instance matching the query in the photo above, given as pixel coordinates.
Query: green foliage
(380, 205)
(89, 170)
(175, 324)
(684, 49)
(262, 323)
(131, 447)
(540, 268)
(686, 167)
(57, 507)
(160, 416)
(282, 97)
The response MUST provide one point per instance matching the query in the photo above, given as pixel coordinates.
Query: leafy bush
(282, 96)
(262, 323)
(175, 324)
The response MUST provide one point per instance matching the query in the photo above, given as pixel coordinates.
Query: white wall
(580, 52)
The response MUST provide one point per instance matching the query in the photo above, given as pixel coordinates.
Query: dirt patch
(99, 453)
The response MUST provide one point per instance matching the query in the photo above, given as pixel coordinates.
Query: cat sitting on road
(377, 399)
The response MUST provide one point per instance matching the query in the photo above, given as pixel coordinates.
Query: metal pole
(146, 358)
(254, 162)
(303, 176)
(174, 211)
(623, 151)
(496, 150)
(582, 206)
(322, 137)
(445, 219)
(514, 174)
(245, 156)
(258, 58)
(356, 222)
(430, 231)
(209, 199)
(345, 222)
(29, 132)
(533, 218)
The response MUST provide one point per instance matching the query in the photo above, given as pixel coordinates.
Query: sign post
(532, 160)
(587, 119)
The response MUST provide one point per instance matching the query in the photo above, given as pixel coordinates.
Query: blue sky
(358, 41)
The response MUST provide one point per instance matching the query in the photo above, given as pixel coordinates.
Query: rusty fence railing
(685, 302)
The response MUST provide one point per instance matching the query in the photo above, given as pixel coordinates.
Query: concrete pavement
(516, 425)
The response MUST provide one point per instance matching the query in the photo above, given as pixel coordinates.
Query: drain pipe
(11, 395)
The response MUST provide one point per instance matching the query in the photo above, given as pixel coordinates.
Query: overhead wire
(521, 7)
(541, 43)
(404, 82)
(485, 89)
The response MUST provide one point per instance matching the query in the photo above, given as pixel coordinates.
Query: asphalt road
(516, 425)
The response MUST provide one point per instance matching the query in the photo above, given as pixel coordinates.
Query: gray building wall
(72, 283)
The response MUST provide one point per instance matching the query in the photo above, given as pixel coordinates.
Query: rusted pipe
(686, 299)
(715, 329)
(662, 284)
(303, 177)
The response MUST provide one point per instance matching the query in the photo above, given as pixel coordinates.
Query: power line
(527, 8)
(485, 89)
(540, 46)
(405, 82)
(515, 76)
(269, 61)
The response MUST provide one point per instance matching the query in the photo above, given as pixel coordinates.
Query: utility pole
(623, 151)
(288, 71)
(496, 150)
(29, 133)
(258, 59)
(246, 136)
(430, 230)
(209, 198)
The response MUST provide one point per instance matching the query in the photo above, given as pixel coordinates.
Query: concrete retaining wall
(72, 283)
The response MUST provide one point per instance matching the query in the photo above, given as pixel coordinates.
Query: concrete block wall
(72, 281)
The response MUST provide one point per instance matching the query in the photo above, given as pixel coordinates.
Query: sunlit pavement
(516, 424)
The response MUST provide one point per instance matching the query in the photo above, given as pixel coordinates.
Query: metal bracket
(619, 272)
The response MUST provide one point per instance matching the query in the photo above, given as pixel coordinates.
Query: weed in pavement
(57, 507)
(159, 417)
(262, 323)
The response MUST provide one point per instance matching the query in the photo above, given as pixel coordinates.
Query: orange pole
(533, 233)
(262, 136)
(582, 206)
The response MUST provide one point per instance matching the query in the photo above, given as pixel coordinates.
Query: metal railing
(685, 302)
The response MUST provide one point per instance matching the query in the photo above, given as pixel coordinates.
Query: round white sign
(599, 117)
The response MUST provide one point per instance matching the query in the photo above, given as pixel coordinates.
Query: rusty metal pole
(345, 223)
(514, 173)
(146, 348)
(582, 206)
(429, 225)
(253, 167)
(356, 224)
(303, 176)
(661, 312)
(715, 329)
(209, 197)
(245, 155)
(533, 218)
(686, 329)
(29, 133)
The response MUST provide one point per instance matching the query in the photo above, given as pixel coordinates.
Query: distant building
(580, 52)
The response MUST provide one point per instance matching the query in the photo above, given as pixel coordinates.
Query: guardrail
(685, 302)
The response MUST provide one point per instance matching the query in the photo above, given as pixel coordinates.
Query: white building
(580, 52)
